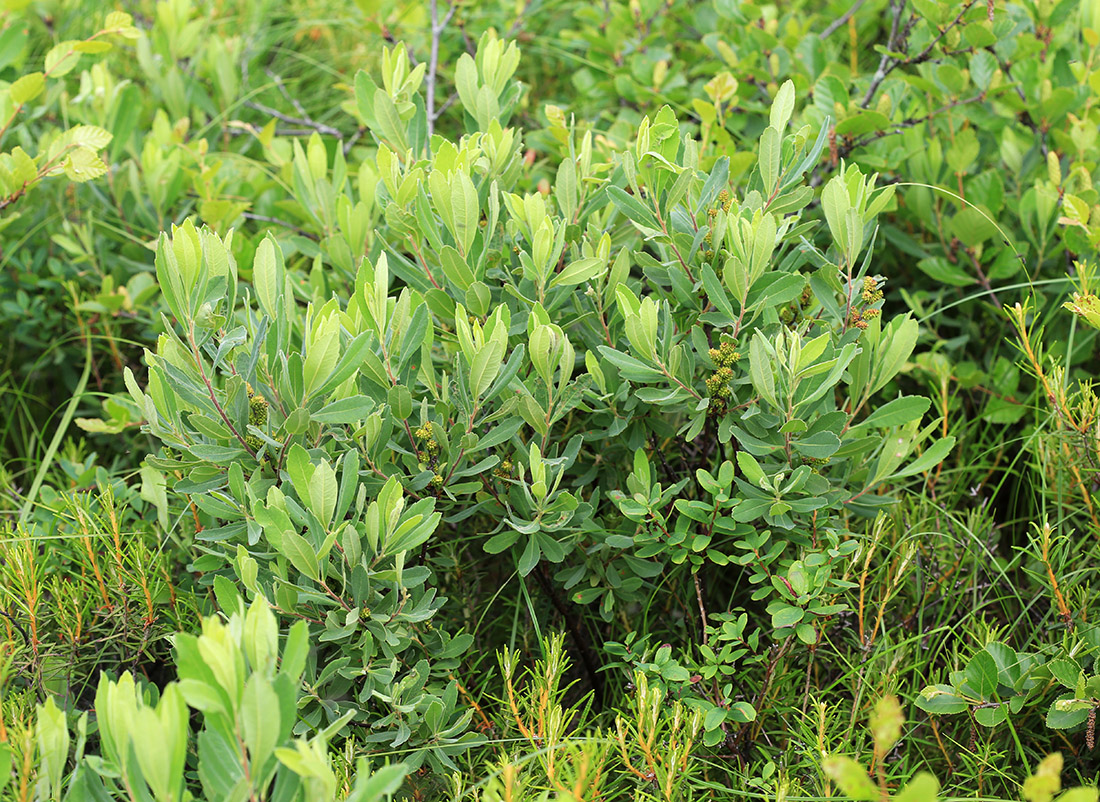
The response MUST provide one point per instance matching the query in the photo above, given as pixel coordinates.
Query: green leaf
(896, 344)
(932, 456)
(296, 651)
(92, 46)
(455, 268)
(634, 211)
(389, 123)
(379, 784)
(267, 274)
(940, 699)
(769, 159)
(750, 468)
(819, 445)
(981, 674)
(760, 370)
(323, 354)
(84, 164)
(61, 58)
(52, 738)
(782, 106)
(579, 272)
(322, 493)
(942, 271)
(464, 208)
(864, 122)
(27, 88)
(529, 558)
(742, 712)
(356, 353)
(259, 716)
(347, 410)
(787, 616)
(301, 555)
(466, 82)
(897, 412)
(485, 367)
(1067, 711)
(631, 369)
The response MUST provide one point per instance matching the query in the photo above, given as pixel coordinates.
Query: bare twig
(518, 23)
(438, 25)
(886, 64)
(841, 20)
(304, 122)
(276, 221)
(983, 278)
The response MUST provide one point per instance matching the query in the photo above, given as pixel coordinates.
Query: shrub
(326, 434)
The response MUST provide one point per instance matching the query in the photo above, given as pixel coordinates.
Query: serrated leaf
(981, 674)
(61, 58)
(27, 88)
(82, 164)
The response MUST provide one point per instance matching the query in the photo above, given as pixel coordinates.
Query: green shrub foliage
(640, 376)
(244, 686)
(660, 334)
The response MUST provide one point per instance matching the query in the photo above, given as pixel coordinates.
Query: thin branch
(210, 391)
(888, 64)
(841, 20)
(275, 221)
(307, 122)
(884, 64)
(433, 61)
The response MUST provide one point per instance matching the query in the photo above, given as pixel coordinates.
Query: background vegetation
(549, 400)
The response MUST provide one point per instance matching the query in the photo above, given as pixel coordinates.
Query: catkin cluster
(725, 356)
(257, 416)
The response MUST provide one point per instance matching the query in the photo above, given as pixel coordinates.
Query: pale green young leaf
(924, 787)
(26, 88)
(770, 147)
(322, 493)
(485, 367)
(895, 346)
(267, 274)
(835, 202)
(61, 58)
(578, 272)
(390, 126)
(52, 739)
(760, 370)
(466, 82)
(782, 106)
(259, 716)
(83, 164)
(464, 207)
(92, 46)
(323, 354)
(851, 777)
